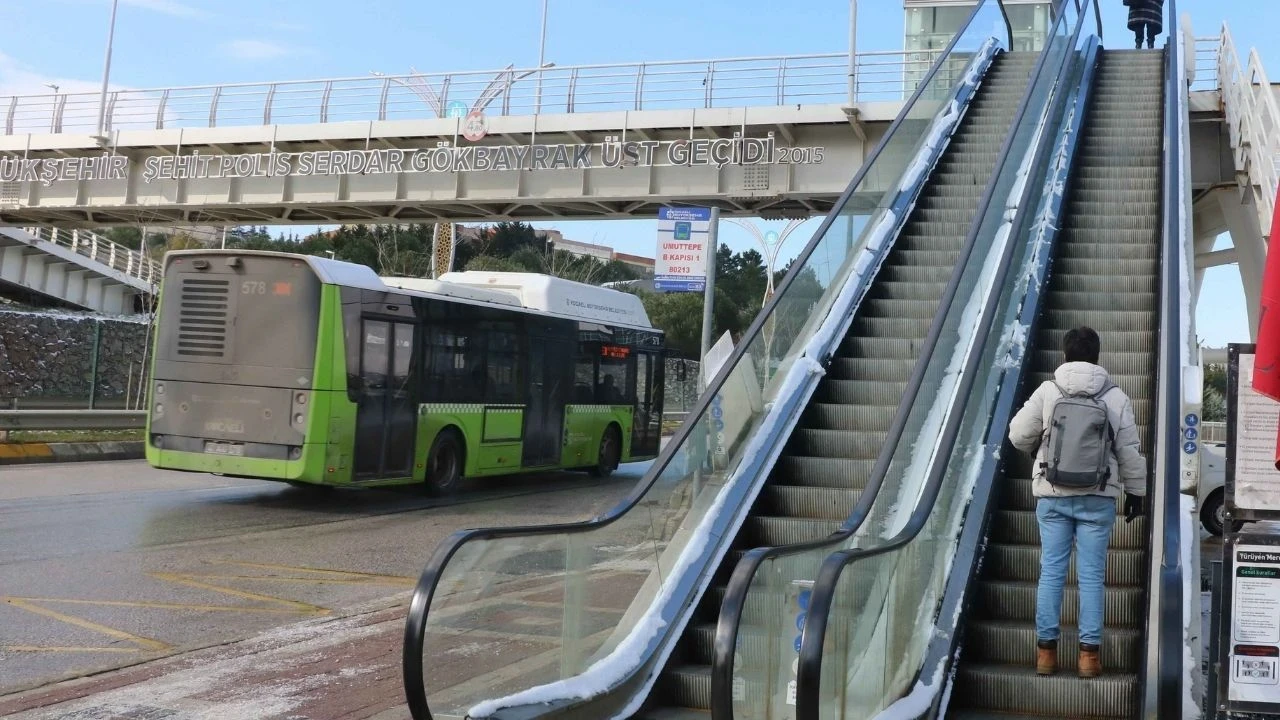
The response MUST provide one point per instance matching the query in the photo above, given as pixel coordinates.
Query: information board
(1252, 480)
(680, 264)
(1253, 656)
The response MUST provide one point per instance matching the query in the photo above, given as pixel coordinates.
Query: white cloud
(36, 101)
(254, 50)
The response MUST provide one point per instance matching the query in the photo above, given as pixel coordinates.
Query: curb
(27, 453)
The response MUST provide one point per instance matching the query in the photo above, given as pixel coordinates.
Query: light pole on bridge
(771, 242)
(106, 69)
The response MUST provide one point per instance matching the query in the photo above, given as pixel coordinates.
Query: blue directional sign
(1191, 433)
(796, 644)
(684, 235)
(800, 620)
(804, 599)
(1191, 420)
(455, 109)
(1189, 447)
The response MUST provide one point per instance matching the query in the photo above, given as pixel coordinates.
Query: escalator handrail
(733, 605)
(1169, 670)
(825, 585)
(424, 591)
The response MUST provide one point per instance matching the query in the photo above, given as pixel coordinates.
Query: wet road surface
(104, 565)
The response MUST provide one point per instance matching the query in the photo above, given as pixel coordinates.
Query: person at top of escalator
(1081, 430)
(1145, 15)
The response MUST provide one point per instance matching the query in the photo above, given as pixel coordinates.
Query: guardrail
(100, 249)
(1253, 123)
(72, 419)
(730, 82)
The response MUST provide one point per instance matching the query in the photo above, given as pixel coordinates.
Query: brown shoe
(1046, 657)
(1090, 661)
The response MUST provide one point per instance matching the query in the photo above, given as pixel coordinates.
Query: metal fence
(731, 82)
(108, 252)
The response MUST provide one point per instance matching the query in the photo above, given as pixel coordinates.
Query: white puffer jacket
(1028, 427)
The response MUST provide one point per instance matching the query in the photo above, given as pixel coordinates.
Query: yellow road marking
(42, 648)
(157, 605)
(374, 578)
(142, 642)
(190, 581)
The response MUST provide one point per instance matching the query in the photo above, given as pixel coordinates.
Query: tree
(1214, 406)
(491, 263)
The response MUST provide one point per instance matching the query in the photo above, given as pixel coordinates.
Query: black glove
(1132, 507)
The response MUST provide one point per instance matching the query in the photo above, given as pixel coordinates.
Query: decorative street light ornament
(473, 126)
(442, 247)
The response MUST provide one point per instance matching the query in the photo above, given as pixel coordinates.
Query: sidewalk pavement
(344, 668)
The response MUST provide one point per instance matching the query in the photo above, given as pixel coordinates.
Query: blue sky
(191, 42)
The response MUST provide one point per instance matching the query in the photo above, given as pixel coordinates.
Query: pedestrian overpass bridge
(772, 137)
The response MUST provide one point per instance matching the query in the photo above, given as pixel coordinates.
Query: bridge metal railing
(731, 82)
(1251, 112)
(108, 252)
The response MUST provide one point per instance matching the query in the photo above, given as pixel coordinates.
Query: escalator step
(1018, 689)
(888, 369)
(908, 273)
(1019, 527)
(822, 472)
(1015, 644)
(1065, 299)
(1112, 320)
(830, 416)
(876, 307)
(788, 530)
(822, 503)
(861, 391)
(1022, 562)
(917, 230)
(1116, 363)
(687, 686)
(898, 328)
(1112, 283)
(863, 444)
(1016, 601)
(865, 346)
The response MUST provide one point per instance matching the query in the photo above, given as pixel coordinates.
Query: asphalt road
(104, 565)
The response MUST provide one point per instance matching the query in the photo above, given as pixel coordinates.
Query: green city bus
(319, 372)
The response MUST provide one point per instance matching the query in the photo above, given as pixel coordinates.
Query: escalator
(1105, 274)
(828, 459)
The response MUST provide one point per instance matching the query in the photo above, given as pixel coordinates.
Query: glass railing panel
(874, 645)
(514, 616)
(767, 643)
(887, 600)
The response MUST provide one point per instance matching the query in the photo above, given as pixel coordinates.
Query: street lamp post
(771, 242)
(542, 53)
(106, 69)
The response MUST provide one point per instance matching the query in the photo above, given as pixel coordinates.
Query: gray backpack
(1079, 438)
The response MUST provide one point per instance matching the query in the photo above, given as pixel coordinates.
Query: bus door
(550, 387)
(385, 417)
(646, 429)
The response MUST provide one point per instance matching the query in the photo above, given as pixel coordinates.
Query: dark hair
(1081, 345)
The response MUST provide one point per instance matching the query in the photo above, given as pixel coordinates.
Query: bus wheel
(610, 452)
(444, 464)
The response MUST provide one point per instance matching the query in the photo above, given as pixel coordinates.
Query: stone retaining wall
(47, 359)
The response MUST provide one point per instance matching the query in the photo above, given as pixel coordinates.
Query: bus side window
(614, 387)
(584, 379)
(373, 365)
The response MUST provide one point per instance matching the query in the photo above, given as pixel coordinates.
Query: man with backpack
(1081, 429)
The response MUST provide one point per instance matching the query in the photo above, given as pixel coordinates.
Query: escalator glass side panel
(874, 635)
(577, 608)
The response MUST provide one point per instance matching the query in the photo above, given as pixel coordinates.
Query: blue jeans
(1087, 521)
